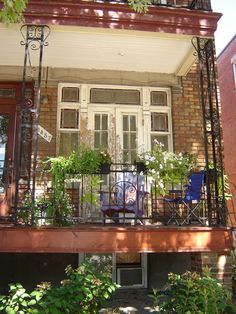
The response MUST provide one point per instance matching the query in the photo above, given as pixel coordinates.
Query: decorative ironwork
(200, 5)
(191, 4)
(34, 40)
(212, 131)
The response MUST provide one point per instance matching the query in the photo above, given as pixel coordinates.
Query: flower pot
(140, 166)
(105, 168)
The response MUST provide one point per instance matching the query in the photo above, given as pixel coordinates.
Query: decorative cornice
(120, 16)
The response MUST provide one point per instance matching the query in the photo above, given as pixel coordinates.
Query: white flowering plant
(166, 168)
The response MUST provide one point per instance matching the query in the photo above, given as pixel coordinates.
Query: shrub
(191, 293)
(83, 291)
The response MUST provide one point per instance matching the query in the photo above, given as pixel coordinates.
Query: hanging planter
(105, 168)
(141, 167)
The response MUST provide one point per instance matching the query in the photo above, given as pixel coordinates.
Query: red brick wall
(220, 265)
(228, 104)
(187, 117)
(48, 120)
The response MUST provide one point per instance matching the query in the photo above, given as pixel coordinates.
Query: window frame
(67, 105)
(233, 62)
(143, 111)
(162, 109)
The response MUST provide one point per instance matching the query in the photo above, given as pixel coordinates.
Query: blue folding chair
(191, 201)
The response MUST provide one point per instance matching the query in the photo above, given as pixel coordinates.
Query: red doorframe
(11, 107)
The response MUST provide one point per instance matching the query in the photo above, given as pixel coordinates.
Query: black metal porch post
(34, 39)
(212, 131)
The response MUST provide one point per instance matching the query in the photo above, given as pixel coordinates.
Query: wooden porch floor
(99, 238)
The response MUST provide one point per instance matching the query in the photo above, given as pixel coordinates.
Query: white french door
(120, 129)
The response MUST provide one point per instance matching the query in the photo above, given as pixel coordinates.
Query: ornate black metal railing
(122, 196)
(190, 4)
(205, 52)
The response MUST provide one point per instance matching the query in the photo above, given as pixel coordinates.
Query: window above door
(124, 119)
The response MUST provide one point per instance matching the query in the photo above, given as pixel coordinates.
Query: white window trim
(145, 109)
(66, 105)
(144, 265)
(233, 62)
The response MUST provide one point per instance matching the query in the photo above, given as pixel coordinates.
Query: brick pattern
(48, 120)
(220, 264)
(187, 117)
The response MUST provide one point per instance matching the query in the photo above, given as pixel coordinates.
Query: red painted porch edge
(114, 239)
(120, 16)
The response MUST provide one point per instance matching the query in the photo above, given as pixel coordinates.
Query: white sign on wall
(44, 134)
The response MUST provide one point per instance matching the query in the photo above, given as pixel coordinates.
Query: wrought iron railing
(190, 4)
(122, 196)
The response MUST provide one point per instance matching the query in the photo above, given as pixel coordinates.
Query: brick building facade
(157, 64)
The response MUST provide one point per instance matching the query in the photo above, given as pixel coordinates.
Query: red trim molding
(120, 16)
(114, 239)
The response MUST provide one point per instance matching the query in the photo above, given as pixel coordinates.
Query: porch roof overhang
(116, 239)
(111, 36)
(104, 49)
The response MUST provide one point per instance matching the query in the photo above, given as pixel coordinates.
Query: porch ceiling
(104, 49)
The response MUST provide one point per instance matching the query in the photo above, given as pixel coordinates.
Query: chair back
(126, 195)
(194, 190)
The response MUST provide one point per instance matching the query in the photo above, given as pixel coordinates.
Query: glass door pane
(4, 123)
(129, 138)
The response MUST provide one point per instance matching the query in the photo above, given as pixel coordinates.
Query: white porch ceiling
(92, 48)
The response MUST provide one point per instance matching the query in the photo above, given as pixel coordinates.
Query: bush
(83, 291)
(191, 293)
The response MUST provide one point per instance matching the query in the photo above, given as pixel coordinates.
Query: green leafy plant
(193, 294)
(47, 210)
(105, 157)
(12, 11)
(167, 168)
(83, 291)
(19, 301)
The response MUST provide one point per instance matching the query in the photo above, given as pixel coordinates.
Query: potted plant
(167, 168)
(140, 163)
(105, 161)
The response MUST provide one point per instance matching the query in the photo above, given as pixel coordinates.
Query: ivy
(12, 11)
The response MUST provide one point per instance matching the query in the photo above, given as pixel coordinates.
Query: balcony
(82, 228)
(122, 197)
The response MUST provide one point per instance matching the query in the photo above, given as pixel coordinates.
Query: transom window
(70, 94)
(114, 96)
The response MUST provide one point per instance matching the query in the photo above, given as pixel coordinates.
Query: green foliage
(83, 291)
(104, 157)
(191, 293)
(12, 11)
(140, 6)
(19, 301)
(167, 168)
(54, 209)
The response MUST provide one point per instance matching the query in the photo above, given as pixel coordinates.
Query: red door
(8, 104)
